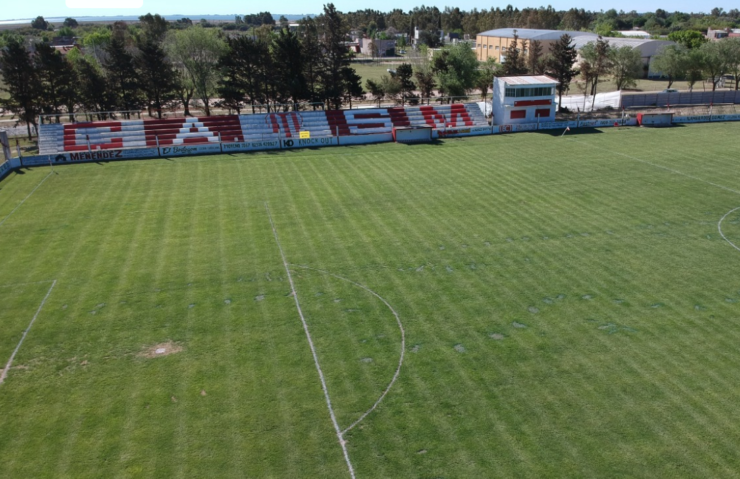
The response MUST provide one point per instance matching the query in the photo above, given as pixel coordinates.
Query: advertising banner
(187, 150)
(469, 131)
(310, 142)
(250, 146)
(691, 119)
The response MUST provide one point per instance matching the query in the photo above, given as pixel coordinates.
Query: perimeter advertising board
(188, 150)
(309, 142)
(250, 146)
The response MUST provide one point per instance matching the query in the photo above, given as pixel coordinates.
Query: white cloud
(105, 3)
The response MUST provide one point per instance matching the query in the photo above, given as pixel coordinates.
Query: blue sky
(58, 8)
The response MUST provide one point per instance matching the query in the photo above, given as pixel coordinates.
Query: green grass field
(569, 305)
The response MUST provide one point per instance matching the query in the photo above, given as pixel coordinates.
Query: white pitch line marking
(719, 223)
(403, 343)
(661, 167)
(24, 199)
(719, 227)
(12, 356)
(340, 436)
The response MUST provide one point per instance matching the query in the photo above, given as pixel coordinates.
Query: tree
(391, 87)
(626, 66)
(70, 22)
(671, 62)
(312, 53)
(596, 56)
(245, 65)
(535, 63)
(198, 50)
(404, 73)
(430, 38)
(375, 89)
(95, 92)
(352, 85)
(157, 77)
(514, 62)
(457, 69)
(57, 80)
(122, 76)
(288, 56)
(184, 89)
(39, 23)
(730, 51)
(694, 67)
(488, 70)
(715, 64)
(22, 83)
(560, 65)
(336, 56)
(154, 27)
(688, 38)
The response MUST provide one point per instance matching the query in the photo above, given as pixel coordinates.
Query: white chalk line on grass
(25, 333)
(719, 227)
(403, 343)
(24, 199)
(719, 223)
(661, 167)
(340, 437)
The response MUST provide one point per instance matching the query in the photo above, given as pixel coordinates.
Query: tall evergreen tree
(535, 65)
(154, 27)
(58, 80)
(514, 62)
(404, 73)
(352, 84)
(156, 75)
(122, 76)
(22, 83)
(288, 57)
(309, 36)
(560, 65)
(95, 92)
(336, 56)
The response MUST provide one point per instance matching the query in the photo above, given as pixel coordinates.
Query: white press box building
(523, 99)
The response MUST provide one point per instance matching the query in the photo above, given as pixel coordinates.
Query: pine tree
(22, 83)
(514, 61)
(336, 57)
(58, 80)
(534, 59)
(156, 75)
(309, 36)
(560, 65)
(122, 76)
(404, 73)
(288, 58)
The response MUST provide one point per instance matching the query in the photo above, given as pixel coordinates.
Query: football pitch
(521, 305)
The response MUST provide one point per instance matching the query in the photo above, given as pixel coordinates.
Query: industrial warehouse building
(494, 43)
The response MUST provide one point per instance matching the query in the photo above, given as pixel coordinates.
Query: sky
(78, 8)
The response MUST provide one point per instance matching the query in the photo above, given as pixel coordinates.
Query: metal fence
(636, 100)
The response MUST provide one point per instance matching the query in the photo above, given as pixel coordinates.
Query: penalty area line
(340, 435)
(25, 333)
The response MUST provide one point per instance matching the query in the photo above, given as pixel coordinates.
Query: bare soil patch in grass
(161, 349)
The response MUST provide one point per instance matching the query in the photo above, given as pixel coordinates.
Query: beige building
(494, 43)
